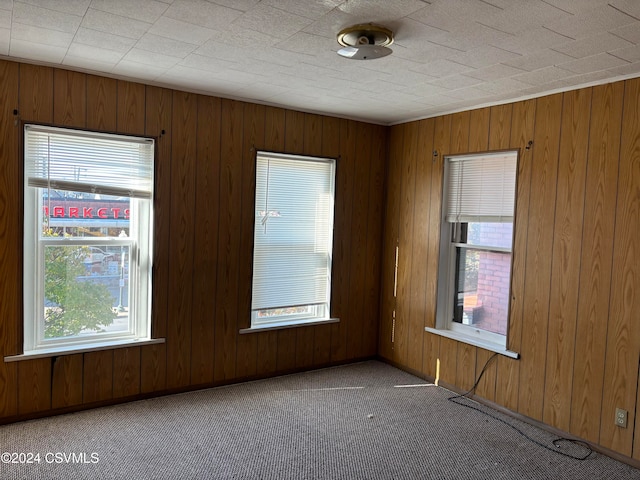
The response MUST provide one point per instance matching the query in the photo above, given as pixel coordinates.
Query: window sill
(492, 347)
(86, 347)
(290, 324)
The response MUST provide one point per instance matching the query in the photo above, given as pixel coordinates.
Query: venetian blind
(293, 231)
(481, 188)
(64, 159)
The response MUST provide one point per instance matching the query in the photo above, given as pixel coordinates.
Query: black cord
(556, 443)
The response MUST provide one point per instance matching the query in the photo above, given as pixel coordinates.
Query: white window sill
(460, 337)
(289, 324)
(82, 348)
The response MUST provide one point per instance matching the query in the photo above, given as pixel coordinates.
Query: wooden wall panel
(275, 121)
(267, 352)
(183, 142)
(479, 129)
(636, 433)
(286, 349)
(466, 366)
(294, 131)
(596, 258)
(153, 368)
(313, 138)
(440, 354)
(69, 98)
(101, 109)
(345, 173)
(565, 263)
(431, 347)
(253, 136)
(97, 375)
(460, 125)
(126, 372)
(205, 250)
(500, 127)
(416, 260)
(228, 242)
(420, 243)
(34, 380)
(539, 252)
(358, 259)
(487, 385)
(130, 117)
(390, 242)
(623, 335)
(36, 93)
(374, 242)
(521, 133)
(448, 360)
(431, 356)
(304, 347)
(405, 242)
(66, 381)
(10, 237)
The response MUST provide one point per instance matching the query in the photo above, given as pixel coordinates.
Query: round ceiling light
(365, 41)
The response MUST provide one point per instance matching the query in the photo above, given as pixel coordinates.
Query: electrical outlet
(621, 417)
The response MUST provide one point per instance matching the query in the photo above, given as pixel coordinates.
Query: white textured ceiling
(448, 55)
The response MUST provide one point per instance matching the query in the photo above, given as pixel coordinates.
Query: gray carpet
(361, 421)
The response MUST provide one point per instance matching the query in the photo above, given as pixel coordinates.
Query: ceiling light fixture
(365, 41)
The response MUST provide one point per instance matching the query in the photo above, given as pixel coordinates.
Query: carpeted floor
(361, 421)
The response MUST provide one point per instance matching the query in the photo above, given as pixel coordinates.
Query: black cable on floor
(556, 443)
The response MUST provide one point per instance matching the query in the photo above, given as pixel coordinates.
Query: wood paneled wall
(203, 239)
(575, 306)
(575, 294)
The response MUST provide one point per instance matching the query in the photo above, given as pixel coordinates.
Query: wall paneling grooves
(203, 239)
(575, 302)
(575, 295)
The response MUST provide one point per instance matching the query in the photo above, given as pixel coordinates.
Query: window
(293, 236)
(87, 238)
(475, 250)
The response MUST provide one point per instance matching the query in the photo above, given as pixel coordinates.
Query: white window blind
(293, 231)
(481, 188)
(63, 159)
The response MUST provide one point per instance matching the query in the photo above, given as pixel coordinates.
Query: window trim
(141, 256)
(460, 337)
(283, 325)
(444, 325)
(89, 347)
